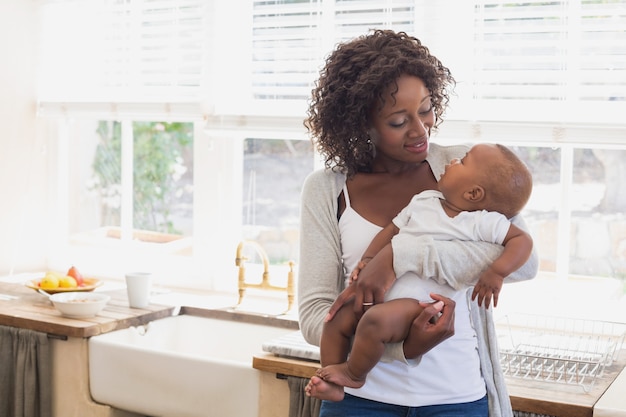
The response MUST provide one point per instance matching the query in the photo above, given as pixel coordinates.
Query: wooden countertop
(558, 399)
(285, 366)
(546, 398)
(31, 310)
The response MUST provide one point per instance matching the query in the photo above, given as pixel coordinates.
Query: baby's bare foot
(340, 375)
(323, 390)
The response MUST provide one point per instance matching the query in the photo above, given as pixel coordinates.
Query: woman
(377, 101)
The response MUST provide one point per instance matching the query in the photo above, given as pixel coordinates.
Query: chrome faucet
(265, 282)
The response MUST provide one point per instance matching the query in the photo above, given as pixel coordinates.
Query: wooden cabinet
(274, 395)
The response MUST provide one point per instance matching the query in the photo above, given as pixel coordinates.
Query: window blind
(515, 61)
(356, 17)
(545, 51)
(602, 49)
(123, 50)
(285, 44)
(292, 38)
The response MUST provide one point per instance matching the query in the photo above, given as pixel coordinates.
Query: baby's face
(462, 173)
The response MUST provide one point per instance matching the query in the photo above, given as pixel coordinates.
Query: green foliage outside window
(158, 165)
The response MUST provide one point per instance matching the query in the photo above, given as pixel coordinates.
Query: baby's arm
(454, 262)
(382, 239)
(518, 246)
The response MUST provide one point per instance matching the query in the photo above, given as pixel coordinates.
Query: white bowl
(79, 305)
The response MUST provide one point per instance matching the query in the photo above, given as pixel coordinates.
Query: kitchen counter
(538, 397)
(25, 308)
(22, 307)
(611, 402)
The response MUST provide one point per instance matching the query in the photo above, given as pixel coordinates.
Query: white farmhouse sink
(180, 366)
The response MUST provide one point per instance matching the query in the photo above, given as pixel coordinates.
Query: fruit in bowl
(49, 281)
(79, 305)
(72, 280)
(77, 276)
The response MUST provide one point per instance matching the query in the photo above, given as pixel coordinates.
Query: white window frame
(226, 114)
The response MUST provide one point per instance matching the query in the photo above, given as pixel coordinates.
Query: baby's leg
(334, 349)
(383, 323)
(388, 322)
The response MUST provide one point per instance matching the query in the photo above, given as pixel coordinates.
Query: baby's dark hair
(511, 183)
(352, 85)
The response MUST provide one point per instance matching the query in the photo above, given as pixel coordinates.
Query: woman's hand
(373, 281)
(374, 278)
(345, 296)
(429, 328)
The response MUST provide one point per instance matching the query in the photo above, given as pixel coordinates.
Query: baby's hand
(355, 274)
(488, 287)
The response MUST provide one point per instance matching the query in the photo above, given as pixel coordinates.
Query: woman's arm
(320, 272)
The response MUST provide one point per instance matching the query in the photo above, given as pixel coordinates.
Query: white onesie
(425, 216)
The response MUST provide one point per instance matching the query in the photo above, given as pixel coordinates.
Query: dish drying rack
(558, 349)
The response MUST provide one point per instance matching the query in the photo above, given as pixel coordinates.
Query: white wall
(23, 160)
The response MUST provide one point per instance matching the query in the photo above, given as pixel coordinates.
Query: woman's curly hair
(352, 85)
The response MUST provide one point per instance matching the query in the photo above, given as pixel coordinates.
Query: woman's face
(401, 129)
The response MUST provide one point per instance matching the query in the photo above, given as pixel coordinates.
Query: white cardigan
(456, 263)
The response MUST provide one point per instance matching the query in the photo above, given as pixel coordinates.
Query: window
(162, 179)
(546, 78)
(274, 171)
(128, 191)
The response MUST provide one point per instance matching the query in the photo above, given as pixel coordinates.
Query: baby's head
(489, 177)
(509, 182)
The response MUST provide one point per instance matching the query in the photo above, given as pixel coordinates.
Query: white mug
(138, 286)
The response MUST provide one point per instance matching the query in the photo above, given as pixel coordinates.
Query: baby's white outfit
(449, 373)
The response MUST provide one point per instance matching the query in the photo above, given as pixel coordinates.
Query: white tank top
(450, 372)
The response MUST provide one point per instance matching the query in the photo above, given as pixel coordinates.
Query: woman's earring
(370, 146)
